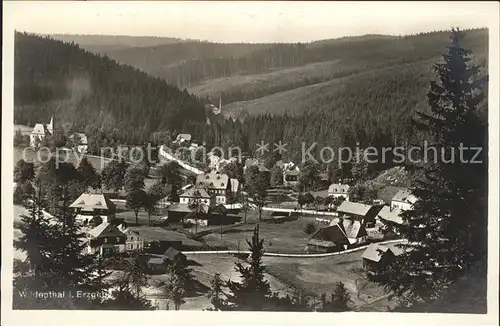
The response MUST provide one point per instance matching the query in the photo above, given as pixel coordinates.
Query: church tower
(50, 126)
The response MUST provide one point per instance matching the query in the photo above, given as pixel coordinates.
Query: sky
(245, 21)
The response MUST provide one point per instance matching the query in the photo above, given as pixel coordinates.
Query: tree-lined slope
(82, 89)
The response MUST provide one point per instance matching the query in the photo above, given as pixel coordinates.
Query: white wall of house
(401, 205)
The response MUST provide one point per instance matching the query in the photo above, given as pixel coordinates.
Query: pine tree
(180, 281)
(128, 292)
(24, 171)
(253, 290)
(446, 227)
(216, 295)
(89, 176)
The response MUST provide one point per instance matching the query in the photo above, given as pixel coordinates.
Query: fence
(290, 255)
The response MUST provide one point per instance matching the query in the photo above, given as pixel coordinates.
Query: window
(105, 240)
(117, 239)
(131, 238)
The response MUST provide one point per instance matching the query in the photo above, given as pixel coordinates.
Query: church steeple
(220, 103)
(50, 126)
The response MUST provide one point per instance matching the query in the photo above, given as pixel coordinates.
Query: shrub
(310, 228)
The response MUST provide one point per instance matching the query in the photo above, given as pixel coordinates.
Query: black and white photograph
(336, 158)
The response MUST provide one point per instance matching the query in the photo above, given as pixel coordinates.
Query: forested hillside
(83, 90)
(102, 44)
(250, 70)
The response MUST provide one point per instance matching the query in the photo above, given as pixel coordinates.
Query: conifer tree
(446, 227)
(89, 176)
(253, 292)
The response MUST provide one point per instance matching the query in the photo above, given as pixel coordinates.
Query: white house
(88, 206)
(339, 190)
(134, 240)
(183, 138)
(80, 142)
(189, 195)
(217, 184)
(105, 239)
(403, 200)
(40, 131)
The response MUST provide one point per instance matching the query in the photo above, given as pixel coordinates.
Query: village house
(359, 212)
(178, 212)
(291, 173)
(403, 200)
(217, 184)
(353, 230)
(106, 240)
(387, 213)
(134, 241)
(94, 206)
(80, 142)
(40, 131)
(328, 239)
(376, 257)
(337, 190)
(172, 254)
(182, 139)
(290, 178)
(254, 162)
(188, 196)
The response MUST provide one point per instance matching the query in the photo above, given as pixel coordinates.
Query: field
(204, 267)
(316, 276)
(286, 237)
(279, 78)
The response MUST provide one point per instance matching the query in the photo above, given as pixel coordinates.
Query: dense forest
(190, 63)
(369, 97)
(82, 89)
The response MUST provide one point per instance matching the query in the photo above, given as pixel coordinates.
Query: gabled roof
(338, 188)
(405, 196)
(374, 252)
(40, 129)
(353, 229)
(183, 136)
(106, 230)
(332, 234)
(393, 215)
(191, 193)
(172, 253)
(291, 172)
(349, 207)
(184, 208)
(213, 180)
(89, 202)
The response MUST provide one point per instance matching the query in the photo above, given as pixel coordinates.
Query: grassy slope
(337, 90)
(259, 81)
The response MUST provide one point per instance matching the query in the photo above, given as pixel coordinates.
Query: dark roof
(171, 253)
(191, 192)
(331, 234)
